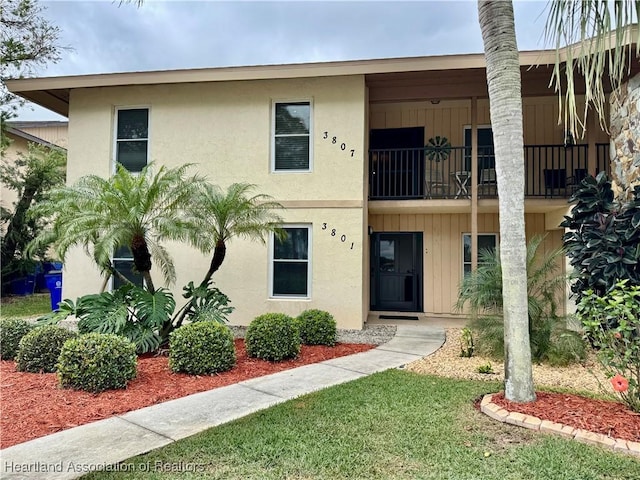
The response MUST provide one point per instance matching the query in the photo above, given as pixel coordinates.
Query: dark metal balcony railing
(551, 171)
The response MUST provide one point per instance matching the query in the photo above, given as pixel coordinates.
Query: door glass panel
(387, 256)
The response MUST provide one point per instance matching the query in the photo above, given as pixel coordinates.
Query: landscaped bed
(33, 405)
(599, 416)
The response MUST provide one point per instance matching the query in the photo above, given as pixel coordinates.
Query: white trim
(273, 296)
(114, 139)
(272, 134)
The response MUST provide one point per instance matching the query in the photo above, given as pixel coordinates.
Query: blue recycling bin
(53, 280)
(23, 285)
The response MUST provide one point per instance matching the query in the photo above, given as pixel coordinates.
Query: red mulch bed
(599, 416)
(33, 405)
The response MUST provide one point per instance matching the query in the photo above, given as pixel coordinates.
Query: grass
(391, 425)
(24, 307)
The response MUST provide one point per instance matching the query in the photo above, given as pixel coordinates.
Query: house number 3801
(334, 141)
(334, 233)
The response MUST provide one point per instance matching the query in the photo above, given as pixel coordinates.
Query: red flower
(618, 335)
(620, 384)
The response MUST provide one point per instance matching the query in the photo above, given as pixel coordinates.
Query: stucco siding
(225, 128)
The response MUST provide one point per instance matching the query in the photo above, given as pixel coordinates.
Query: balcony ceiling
(454, 84)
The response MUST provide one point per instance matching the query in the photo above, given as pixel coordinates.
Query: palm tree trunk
(625, 139)
(142, 260)
(218, 257)
(503, 79)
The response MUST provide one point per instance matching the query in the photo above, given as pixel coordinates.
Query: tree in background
(27, 41)
(31, 176)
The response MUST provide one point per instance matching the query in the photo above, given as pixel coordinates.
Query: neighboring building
(377, 222)
(49, 134)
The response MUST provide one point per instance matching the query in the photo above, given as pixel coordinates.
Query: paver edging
(534, 423)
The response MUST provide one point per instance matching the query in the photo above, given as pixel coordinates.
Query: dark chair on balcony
(555, 182)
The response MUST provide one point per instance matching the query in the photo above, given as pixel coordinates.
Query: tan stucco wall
(225, 128)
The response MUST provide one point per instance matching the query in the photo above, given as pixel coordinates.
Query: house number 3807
(334, 141)
(334, 233)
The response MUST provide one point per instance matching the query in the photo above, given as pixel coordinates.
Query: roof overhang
(32, 138)
(53, 92)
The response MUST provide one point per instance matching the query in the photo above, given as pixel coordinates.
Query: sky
(104, 37)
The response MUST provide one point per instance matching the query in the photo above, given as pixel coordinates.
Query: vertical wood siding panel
(377, 120)
(429, 247)
(394, 119)
(436, 260)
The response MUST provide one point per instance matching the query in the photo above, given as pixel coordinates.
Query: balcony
(551, 171)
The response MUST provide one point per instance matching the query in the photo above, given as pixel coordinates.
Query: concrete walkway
(94, 446)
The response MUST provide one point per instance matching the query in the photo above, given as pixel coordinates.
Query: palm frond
(235, 212)
(597, 42)
(102, 215)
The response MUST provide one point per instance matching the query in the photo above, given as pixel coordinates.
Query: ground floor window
(486, 241)
(291, 262)
(123, 263)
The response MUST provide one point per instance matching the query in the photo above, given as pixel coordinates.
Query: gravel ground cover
(447, 362)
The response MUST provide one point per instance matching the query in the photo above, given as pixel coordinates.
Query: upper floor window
(486, 242)
(291, 262)
(291, 137)
(132, 138)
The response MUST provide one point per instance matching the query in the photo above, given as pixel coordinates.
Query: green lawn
(25, 307)
(392, 425)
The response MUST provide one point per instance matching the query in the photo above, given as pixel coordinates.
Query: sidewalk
(94, 446)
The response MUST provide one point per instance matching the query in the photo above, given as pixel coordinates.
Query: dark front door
(396, 272)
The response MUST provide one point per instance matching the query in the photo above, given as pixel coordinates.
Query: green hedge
(40, 348)
(96, 362)
(273, 336)
(11, 332)
(317, 327)
(202, 348)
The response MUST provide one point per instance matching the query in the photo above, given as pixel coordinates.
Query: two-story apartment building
(385, 167)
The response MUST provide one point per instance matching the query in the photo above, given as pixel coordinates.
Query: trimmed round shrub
(317, 327)
(96, 362)
(40, 348)
(272, 336)
(11, 332)
(202, 348)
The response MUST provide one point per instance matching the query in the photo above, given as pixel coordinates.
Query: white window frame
(495, 235)
(309, 259)
(114, 160)
(273, 135)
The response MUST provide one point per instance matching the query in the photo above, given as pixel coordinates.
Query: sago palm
(138, 211)
(235, 212)
(481, 290)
